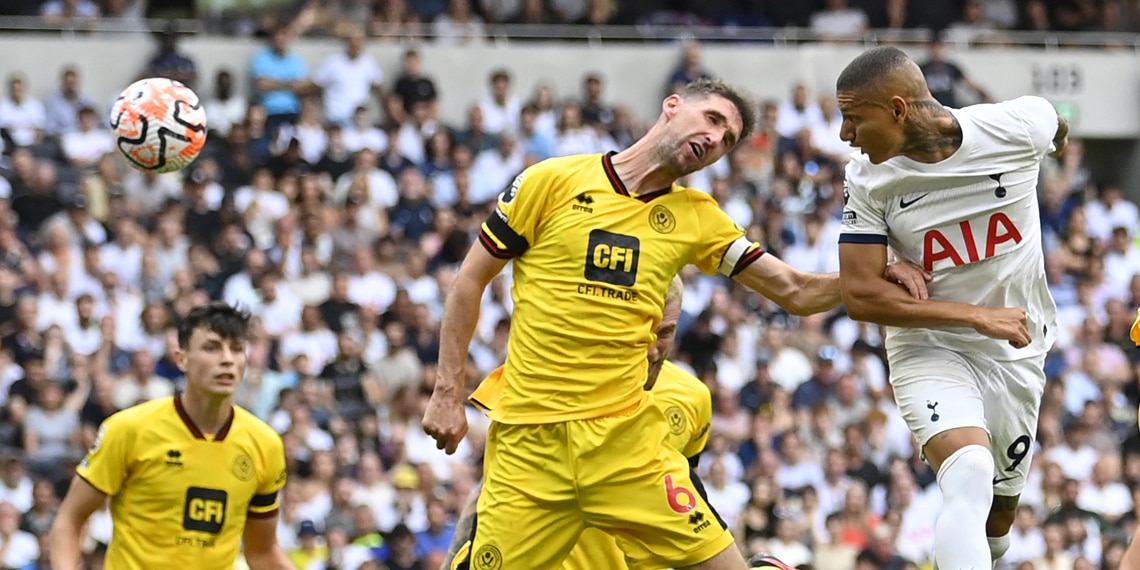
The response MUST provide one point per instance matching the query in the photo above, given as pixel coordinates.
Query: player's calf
(1002, 513)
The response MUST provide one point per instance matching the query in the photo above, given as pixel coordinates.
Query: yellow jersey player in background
(1131, 559)
(191, 477)
(687, 404)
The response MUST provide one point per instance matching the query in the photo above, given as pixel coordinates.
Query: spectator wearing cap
(758, 392)
(311, 548)
(822, 386)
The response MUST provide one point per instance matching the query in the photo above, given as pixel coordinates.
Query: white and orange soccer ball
(159, 125)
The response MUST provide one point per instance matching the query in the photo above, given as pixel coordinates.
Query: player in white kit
(953, 191)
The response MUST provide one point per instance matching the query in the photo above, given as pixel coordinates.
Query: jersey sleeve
(1040, 120)
(721, 244)
(271, 479)
(864, 218)
(511, 228)
(107, 462)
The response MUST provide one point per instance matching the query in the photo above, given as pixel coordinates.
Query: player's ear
(898, 108)
(671, 105)
(180, 358)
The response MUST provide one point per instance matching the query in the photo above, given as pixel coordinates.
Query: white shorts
(937, 390)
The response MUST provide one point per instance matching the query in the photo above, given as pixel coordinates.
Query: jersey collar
(619, 186)
(197, 433)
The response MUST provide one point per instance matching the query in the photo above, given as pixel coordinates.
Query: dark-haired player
(595, 240)
(954, 191)
(191, 477)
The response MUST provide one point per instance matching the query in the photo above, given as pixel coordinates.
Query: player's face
(700, 131)
(666, 334)
(870, 125)
(214, 365)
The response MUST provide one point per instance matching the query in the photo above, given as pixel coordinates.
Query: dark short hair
(870, 66)
(704, 88)
(228, 321)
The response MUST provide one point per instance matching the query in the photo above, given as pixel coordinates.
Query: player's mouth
(226, 378)
(698, 151)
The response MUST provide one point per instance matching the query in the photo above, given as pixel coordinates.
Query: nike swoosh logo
(905, 204)
(996, 480)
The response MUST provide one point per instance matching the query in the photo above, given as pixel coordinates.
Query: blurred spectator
(62, 108)
(838, 20)
(348, 78)
(943, 77)
(501, 107)
(688, 70)
(227, 107)
(170, 62)
(280, 78)
(412, 85)
(459, 25)
(23, 117)
(68, 11)
(87, 144)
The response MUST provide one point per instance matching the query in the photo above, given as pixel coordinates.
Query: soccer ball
(767, 562)
(159, 125)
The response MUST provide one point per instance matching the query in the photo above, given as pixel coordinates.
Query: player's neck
(209, 413)
(932, 132)
(640, 171)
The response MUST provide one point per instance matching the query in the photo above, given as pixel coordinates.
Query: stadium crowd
(454, 21)
(334, 204)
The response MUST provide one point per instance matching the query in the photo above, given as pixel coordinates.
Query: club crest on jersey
(243, 468)
(676, 419)
(662, 220)
(488, 558)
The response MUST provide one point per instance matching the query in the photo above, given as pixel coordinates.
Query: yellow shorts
(544, 484)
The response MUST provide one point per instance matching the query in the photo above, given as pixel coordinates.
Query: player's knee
(960, 474)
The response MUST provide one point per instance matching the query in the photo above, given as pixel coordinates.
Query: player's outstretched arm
(82, 499)
(262, 552)
(871, 297)
(463, 529)
(797, 292)
(444, 418)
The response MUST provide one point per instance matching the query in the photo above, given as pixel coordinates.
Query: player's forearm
(817, 293)
(65, 537)
(884, 303)
(1131, 558)
(460, 317)
(273, 559)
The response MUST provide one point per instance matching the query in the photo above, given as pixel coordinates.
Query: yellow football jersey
(687, 403)
(592, 264)
(180, 499)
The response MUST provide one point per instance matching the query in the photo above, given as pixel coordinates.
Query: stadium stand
(338, 208)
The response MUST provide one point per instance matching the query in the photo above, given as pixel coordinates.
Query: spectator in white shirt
(62, 109)
(495, 168)
(1109, 212)
(1026, 541)
(728, 497)
(458, 26)
(23, 116)
(140, 383)
(123, 256)
(55, 306)
(279, 309)
(314, 339)
(17, 548)
(837, 20)
(261, 205)
(226, 108)
(348, 78)
(501, 108)
(363, 133)
(1122, 260)
(798, 114)
(1076, 457)
(85, 146)
(85, 335)
(1104, 493)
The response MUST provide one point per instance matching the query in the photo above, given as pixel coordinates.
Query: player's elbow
(861, 302)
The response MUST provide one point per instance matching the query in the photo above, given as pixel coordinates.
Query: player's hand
(1006, 324)
(445, 421)
(911, 277)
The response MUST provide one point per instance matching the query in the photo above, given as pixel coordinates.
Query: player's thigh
(595, 549)
(636, 487)
(527, 514)
(1013, 392)
(938, 394)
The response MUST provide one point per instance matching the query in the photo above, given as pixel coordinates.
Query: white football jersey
(971, 219)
